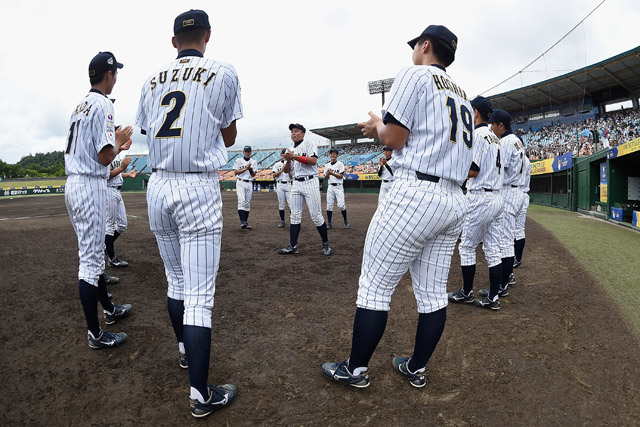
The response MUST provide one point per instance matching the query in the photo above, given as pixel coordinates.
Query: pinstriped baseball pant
(86, 197)
(521, 217)
(306, 191)
(335, 194)
(482, 223)
(284, 195)
(415, 228)
(244, 190)
(185, 214)
(384, 189)
(512, 198)
(116, 213)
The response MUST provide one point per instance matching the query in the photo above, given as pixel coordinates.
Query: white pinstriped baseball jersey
(182, 108)
(487, 154)
(117, 180)
(241, 163)
(386, 175)
(306, 148)
(513, 150)
(91, 128)
(277, 167)
(337, 167)
(525, 178)
(425, 100)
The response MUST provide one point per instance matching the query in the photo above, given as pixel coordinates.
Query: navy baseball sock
(323, 232)
(281, 214)
(176, 313)
(468, 272)
(344, 215)
(507, 269)
(329, 215)
(294, 232)
(495, 276)
(89, 299)
(241, 215)
(115, 235)
(519, 249)
(197, 343)
(246, 216)
(368, 328)
(103, 295)
(108, 242)
(428, 333)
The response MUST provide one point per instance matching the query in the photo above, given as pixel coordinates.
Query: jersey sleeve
(341, 172)
(403, 97)
(141, 116)
(104, 126)
(254, 165)
(233, 106)
(236, 164)
(480, 145)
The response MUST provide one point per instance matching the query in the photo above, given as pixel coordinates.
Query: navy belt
(335, 184)
(283, 182)
(487, 189)
(426, 177)
(245, 180)
(514, 186)
(156, 170)
(386, 180)
(119, 187)
(304, 178)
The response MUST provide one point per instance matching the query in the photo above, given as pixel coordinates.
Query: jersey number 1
(166, 130)
(73, 136)
(467, 121)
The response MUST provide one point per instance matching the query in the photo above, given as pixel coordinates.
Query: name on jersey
(444, 83)
(83, 108)
(189, 73)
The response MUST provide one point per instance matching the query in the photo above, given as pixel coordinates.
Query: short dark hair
(192, 36)
(98, 79)
(440, 51)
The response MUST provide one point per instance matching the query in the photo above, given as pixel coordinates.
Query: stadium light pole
(380, 86)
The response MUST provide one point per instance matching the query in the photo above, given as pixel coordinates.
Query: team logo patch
(92, 73)
(185, 61)
(110, 61)
(110, 117)
(188, 22)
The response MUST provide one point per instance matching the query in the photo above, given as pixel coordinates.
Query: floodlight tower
(380, 86)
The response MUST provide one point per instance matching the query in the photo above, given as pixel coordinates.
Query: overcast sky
(298, 61)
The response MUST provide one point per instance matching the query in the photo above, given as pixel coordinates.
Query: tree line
(39, 165)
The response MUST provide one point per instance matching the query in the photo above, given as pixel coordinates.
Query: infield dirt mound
(556, 353)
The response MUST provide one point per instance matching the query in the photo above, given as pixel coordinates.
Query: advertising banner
(624, 149)
(556, 164)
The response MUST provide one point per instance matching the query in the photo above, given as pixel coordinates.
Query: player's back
(489, 157)
(513, 159)
(182, 108)
(439, 118)
(91, 127)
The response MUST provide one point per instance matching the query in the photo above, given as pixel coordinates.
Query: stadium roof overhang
(343, 132)
(609, 80)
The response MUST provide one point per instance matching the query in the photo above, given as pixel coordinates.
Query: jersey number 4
(178, 99)
(465, 115)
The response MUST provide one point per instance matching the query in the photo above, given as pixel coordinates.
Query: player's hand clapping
(369, 128)
(289, 155)
(123, 137)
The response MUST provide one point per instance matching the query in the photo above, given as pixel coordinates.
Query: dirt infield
(556, 353)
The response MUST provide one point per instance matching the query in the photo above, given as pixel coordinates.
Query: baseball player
(513, 154)
(334, 173)
(283, 185)
(92, 144)
(427, 121)
(116, 213)
(482, 223)
(301, 161)
(188, 110)
(245, 169)
(385, 173)
(521, 216)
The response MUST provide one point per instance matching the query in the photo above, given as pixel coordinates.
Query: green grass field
(609, 253)
(56, 182)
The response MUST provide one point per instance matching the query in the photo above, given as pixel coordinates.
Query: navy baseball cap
(439, 32)
(483, 105)
(297, 126)
(500, 116)
(334, 150)
(187, 21)
(387, 148)
(247, 148)
(103, 62)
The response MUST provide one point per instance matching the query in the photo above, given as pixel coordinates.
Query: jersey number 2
(166, 130)
(465, 114)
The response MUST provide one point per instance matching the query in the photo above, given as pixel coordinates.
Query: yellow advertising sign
(629, 147)
(368, 176)
(603, 193)
(542, 166)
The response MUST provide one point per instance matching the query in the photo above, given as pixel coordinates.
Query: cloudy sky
(298, 61)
